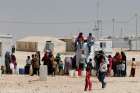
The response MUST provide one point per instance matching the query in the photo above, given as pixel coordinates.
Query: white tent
(39, 43)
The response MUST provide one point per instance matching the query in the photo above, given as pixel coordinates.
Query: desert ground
(67, 84)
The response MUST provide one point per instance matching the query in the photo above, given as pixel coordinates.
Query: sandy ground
(67, 84)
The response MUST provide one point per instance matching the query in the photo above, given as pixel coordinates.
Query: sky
(67, 17)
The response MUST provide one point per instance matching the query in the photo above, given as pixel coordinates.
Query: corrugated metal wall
(69, 45)
(0, 48)
(135, 44)
(26, 46)
(120, 43)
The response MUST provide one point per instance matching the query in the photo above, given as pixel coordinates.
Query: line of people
(55, 64)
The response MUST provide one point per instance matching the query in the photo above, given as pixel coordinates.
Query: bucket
(21, 71)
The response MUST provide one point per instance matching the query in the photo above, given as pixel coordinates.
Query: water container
(71, 73)
(93, 72)
(76, 73)
(43, 72)
(21, 71)
(79, 72)
(84, 73)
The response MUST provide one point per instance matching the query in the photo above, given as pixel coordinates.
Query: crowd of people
(104, 65)
(55, 64)
(119, 64)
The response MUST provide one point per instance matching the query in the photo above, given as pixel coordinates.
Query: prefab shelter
(134, 44)
(40, 43)
(104, 44)
(6, 43)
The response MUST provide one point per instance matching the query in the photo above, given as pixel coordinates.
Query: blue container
(21, 71)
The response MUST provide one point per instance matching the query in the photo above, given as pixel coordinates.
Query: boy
(133, 68)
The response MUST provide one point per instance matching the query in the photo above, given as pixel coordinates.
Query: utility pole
(121, 34)
(136, 36)
(98, 23)
(113, 31)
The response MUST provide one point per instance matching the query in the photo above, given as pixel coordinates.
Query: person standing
(82, 63)
(102, 71)
(79, 40)
(45, 58)
(28, 64)
(38, 56)
(61, 66)
(35, 65)
(90, 41)
(52, 64)
(115, 64)
(13, 61)
(109, 66)
(133, 68)
(7, 62)
(124, 73)
(58, 59)
(68, 65)
(90, 64)
(88, 82)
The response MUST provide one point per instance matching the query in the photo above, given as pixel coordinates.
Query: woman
(124, 73)
(110, 59)
(115, 63)
(13, 61)
(45, 58)
(79, 40)
(35, 65)
(50, 63)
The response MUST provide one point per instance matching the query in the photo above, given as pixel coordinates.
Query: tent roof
(39, 39)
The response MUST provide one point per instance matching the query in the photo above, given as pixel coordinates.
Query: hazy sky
(65, 17)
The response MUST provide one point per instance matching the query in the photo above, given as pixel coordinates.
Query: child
(102, 71)
(133, 68)
(61, 67)
(88, 83)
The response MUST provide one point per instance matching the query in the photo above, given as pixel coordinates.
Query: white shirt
(28, 61)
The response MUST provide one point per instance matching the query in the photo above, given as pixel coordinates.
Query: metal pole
(98, 29)
(136, 37)
(113, 20)
(113, 31)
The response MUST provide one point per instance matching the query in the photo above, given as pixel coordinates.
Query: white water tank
(43, 72)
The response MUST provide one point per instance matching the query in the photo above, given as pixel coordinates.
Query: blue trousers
(101, 77)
